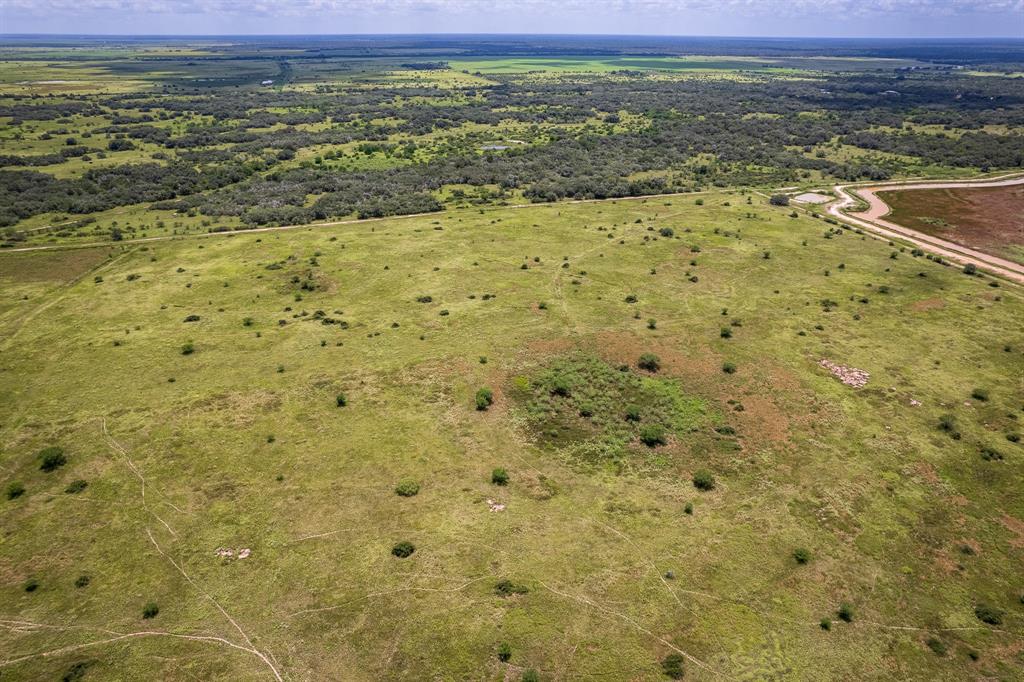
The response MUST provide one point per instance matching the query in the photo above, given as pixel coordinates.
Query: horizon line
(1014, 38)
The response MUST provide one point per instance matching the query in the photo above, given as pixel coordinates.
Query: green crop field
(235, 413)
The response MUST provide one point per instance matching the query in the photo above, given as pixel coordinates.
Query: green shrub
(82, 581)
(407, 487)
(403, 549)
(970, 269)
(652, 323)
(484, 398)
(560, 386)
(649, 361)
(14, 490)
(652, 435)
(530, 675)
(802, 555)
(991, 454)
(779, 200)
(666, 232)
(726, 333)
(499, 477)
(845, 612)
(587, 410)
(31, 585)
(150, 610)
(987, 613)
(632, 413)
(340, 400)
(980, 394)
(825, 624)
(631, 298)
(936, 645)
(188, 348)
(688, 509)
(947, 422)
(729, 367)
(51, 458)
(504, 652)
(703, 480)
(672, 666)
(506, 588)
(76, 486)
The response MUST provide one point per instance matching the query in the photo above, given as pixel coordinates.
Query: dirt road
(873, 219)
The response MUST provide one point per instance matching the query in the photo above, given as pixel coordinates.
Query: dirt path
(873, 219)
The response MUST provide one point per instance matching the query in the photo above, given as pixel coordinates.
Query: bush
(987, 613)
(407, 488)
(499, 477)
(991, 454)
(688, 509)
(652, 435)
(150, 610)
(632, 413)
(14, 490)
(188, 348)
(506, 588)
(52, 458)
(504, 652)
(802, 555)
(672, 666)
(340, 400)
(76, 486)
(31, 585)
(947, 422)
(192, 318)
(825, 624)
(631, 298)
(703, 480)
(970, 269)
(779, 200)
(649, 361)
(980, 394)
(729, 367)
(403, 549)
(484, 398)
(82, 581)
(726, 333)
(936, 645)
(560, 386)
(530, 675)
(666, 232)
(845, 612)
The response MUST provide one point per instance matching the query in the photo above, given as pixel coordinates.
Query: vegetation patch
(583, 403)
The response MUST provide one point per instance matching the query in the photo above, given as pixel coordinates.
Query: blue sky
(848, 18)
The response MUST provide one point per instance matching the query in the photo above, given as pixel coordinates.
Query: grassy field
(265, 393)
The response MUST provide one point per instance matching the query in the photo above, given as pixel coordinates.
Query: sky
(842, 18)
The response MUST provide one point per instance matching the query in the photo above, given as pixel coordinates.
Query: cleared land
(240, 445)
(987, 218)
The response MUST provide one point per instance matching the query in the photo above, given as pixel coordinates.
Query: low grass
(241, 445)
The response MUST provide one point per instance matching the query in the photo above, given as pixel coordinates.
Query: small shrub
(779, 200)
(666, 232)
(987, 613)
(688, 509)
(825, 624)
(652, 323)
(76, 486)
(980, 394)
(726, 333)
(991, 454)
(970, 269)
(845, 612)
(150, 610)
(15, 490)
(51, 458)
(652, 435)
(188, 348)
(947, 422)
(403, 549)
(560, 386)
(82, 581)
(729, 367)
(649, 361)
(484, 398)
(504, 652)
(802, 555)
(530, 675)
(506, 588)
(631, 298)
(632, 413)
(340, 400)
(703, 480)
(672, 666)
(499, 477)
(407, 487)
(31, 585)
(192, 318)
(936, 645)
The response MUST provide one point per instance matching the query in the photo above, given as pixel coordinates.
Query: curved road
(873, 219)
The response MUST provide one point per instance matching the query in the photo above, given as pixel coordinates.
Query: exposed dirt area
(51, 266)
(985, 218)
(927, 304)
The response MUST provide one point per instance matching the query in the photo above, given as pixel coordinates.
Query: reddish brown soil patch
(927, 304)
(1015, 526)
(984, 218)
